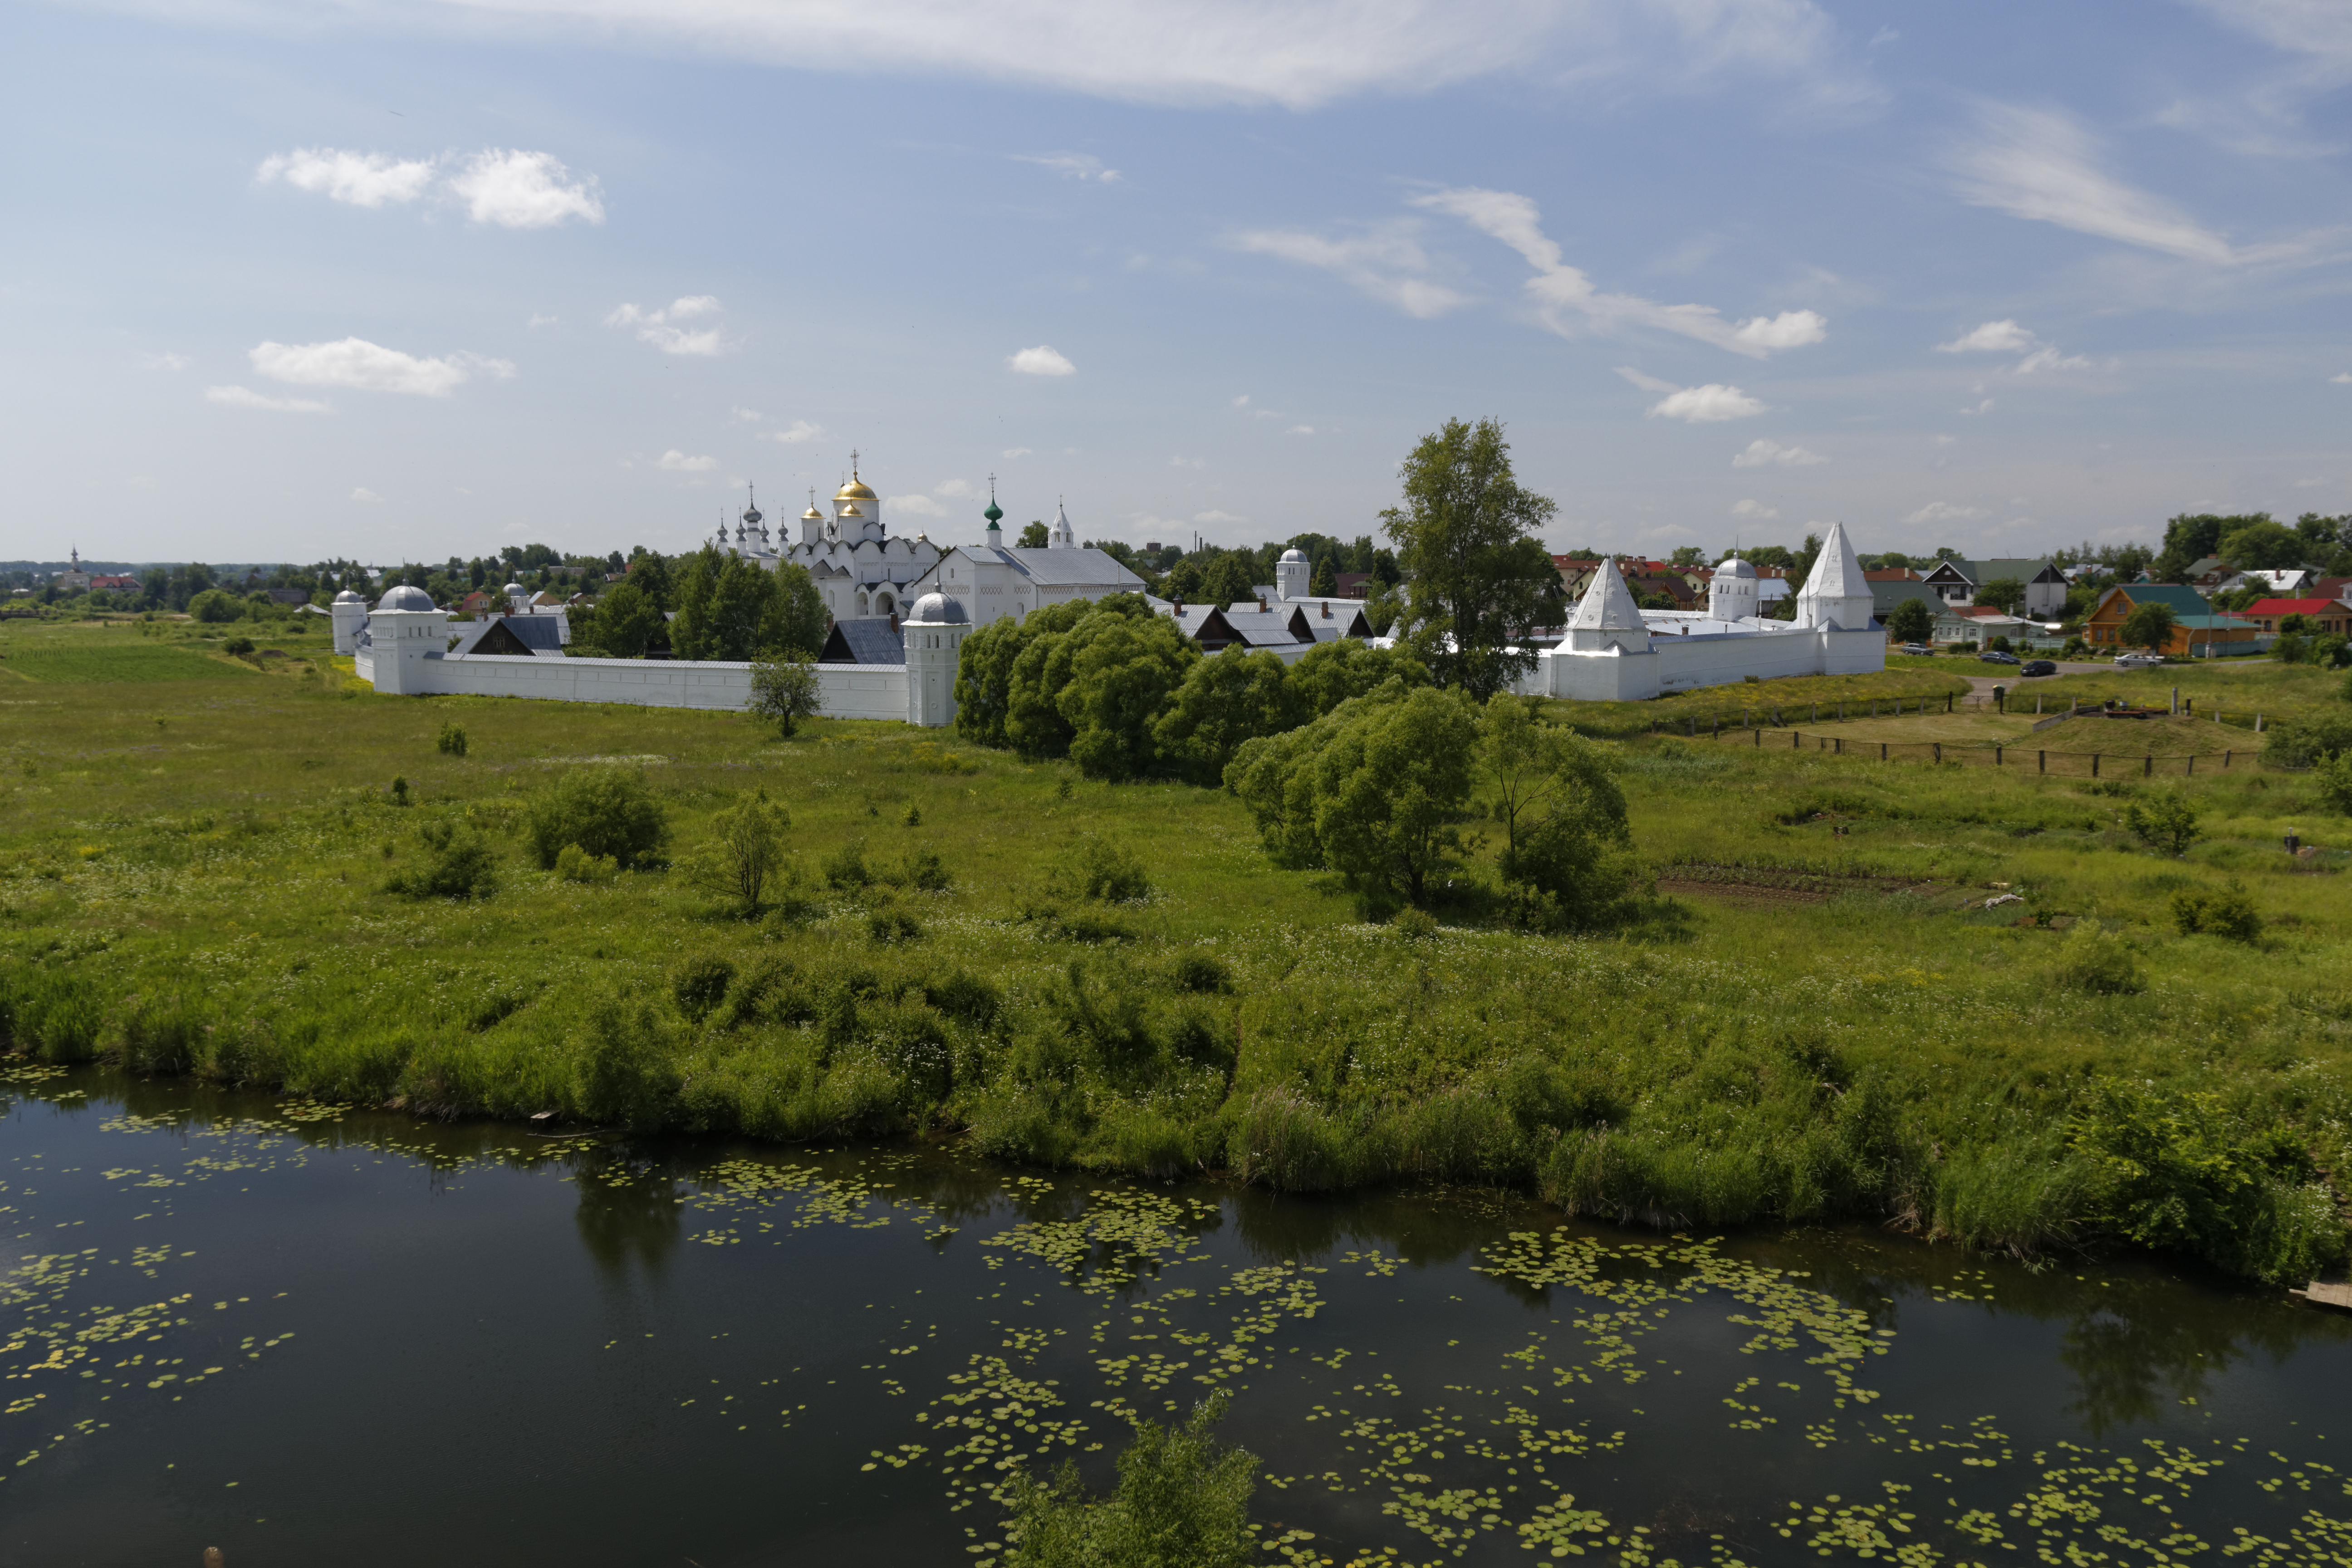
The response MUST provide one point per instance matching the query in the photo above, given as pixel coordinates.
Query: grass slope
(194, 881)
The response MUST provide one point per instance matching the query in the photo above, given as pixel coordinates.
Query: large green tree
(2150, 625)
(1911, 621)
(1468, 539)
(2262, 545)
(1123, 670)
(730, 607)
(2188, 539)
(1562, 813)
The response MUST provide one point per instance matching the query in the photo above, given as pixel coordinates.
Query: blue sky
(394, 281)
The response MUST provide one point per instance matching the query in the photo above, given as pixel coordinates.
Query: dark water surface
(310, 1335)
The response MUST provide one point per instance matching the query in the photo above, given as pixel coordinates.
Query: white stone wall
(848, 690)
(1680, 664)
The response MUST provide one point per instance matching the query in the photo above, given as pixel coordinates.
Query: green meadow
(1965, 1002)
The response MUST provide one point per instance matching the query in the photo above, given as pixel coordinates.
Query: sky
(393, 281)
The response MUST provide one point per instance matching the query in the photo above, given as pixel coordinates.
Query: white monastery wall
(1682, 664)
(847, 690)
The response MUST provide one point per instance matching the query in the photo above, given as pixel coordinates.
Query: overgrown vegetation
(1821, 1017)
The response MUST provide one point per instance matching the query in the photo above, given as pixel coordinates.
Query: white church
(1615, 651)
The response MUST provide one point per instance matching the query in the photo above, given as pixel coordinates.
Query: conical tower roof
(1607, 604)
(1837, 573)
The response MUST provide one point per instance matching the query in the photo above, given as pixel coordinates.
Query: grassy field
(1818, 1016)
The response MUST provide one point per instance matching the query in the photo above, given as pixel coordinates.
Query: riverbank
(1821, 1019)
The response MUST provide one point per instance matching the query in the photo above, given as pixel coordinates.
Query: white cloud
(364, 494)
(1383, 262)
(954, 487)
(1948, 440)
(516, 189)
(1761, 453)
(364, 366)
(1302, 430)
(164, 362)
(2048, 358)
(794, 435)
(358, 179)
(919, 505)
(539, 320)
(1706, 405)
(1943, 512)
(660, 327)
(1012, 452)
(1984, 407)
(1243, 401)
(1298, 55)
(1071, 165)
(2038, 164)
(1041, 361)
(1994, 337)
(749, 415)
(2313, 28)
(677, 462)
(1211, 518)
(2343, 379)
(1646, 382)
(1755, 509)
(1558, 287)
(246, 397)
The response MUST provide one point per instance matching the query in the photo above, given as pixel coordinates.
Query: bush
(1099, 869)
(891, 924)
(452, 740)
(604, 811)
(1198, 971)
(2230, 914)
(2333, 774)
(1183, 1501)
(573, 864)
(461, 866)
(622, 1076)
(2301, 743)
(699, 985)
(2096, 960)
(238, 647)
(744, 854)
(847, 868)
(925, 872)
(2168, 823)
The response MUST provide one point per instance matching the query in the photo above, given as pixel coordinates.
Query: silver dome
(348, 597)
(939, 610)
(406, 597)
(1733, 566)
(1297, 555)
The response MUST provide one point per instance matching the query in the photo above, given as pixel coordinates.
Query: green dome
(993, 512)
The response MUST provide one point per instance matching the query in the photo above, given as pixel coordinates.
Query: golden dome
(851, 510)
(853, 490)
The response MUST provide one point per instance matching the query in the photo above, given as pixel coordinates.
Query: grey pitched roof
(863, 642)
(539, 635)
(1088, 567)
(1265, 628)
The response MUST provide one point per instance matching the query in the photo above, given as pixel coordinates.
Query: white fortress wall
(847, 690)
(1684, 663)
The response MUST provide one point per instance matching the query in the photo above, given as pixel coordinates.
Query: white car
(2139, 661)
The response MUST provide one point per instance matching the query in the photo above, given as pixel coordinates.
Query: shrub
(1198, 971)
(622, 1076)
(925, 872)
(2098, 961)
(452, 740)
(847, 868)
(400, 792)
(1183, 1501)
(699, 985)
(573, 864)
(238, 647)
(2300, 742)
(2333, 774)
(604, 811)
(744, 854)
(2229, 913)
(2168, 823)
(891, 924)
(461, 866)
(1099, 869)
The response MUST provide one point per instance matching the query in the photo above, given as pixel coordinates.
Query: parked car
(1920, 649)
(2140, 661)
(1998, 657)
(2037, 667)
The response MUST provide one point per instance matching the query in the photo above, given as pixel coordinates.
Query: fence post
(1996, 756)
(2094, 765)
(1947, 702)
(2192, 766)
(2225, 761)
(1874, 707)
(1759, 733)
(1882, 750)
(1796, 739)
(2040, 762)
(2147, 768)
(2258, 723)
(1939, 751)
(1718, 729)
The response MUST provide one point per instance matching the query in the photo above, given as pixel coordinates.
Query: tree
(1326, 580)
(2150, 624)
(2259, 545)
(2000, 593)
(1911, 621)
(1687, 555)
(1224, 701)
(744, 854)
(1336, 671)
(1562, 811)
(2333, 776)
(620, 625)
(2190, 539)
(2168, 822)
(786, 690)
(1034, 536)
(1123, 669)
(1373, 790)
(1229, 580)
(1467, 537)
(731, 607)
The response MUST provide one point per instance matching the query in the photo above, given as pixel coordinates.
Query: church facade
(991, 581)
(860, 572)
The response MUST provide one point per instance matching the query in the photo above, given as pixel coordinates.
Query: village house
(2324, 615)
(2197, 630)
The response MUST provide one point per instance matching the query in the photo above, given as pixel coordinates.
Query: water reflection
(627, 1218)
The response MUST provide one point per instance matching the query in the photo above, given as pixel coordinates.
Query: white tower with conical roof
(1061, 536)
(1608, 618)
(1835, 593)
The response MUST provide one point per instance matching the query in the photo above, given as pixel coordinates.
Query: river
(313, 1334)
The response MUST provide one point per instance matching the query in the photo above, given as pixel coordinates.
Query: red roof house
(2325, 615)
